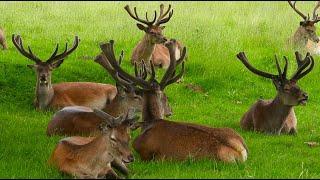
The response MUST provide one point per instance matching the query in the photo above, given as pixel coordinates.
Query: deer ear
(141, 27)
(57, 63)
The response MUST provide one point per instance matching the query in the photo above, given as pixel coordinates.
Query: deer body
(157, 53)
(3, 42)
(305, 38)
(93, 95)
(162, 139)
(151, 47)
(56, 96)
(82, 160)
(270, 116)
(179, 141)
(80, 120)
(277, 116)
(91, 157)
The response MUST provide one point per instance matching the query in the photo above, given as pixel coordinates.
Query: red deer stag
(305, 38)
(79, 120)
(277, 116)
(93, 95)
(3, 42)
(151, 46)
(91, 157)
(174, 140)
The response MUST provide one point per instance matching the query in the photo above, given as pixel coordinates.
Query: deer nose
(131, 158)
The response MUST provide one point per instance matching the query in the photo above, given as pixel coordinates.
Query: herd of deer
(100, 117)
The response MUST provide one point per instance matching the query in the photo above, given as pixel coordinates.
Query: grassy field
(213, 32)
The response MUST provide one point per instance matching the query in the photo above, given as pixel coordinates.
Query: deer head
(117, 131)
(152, 28)
(151, 89)
(127, 96)
(307, 26)
(44, 68)
(288, 91)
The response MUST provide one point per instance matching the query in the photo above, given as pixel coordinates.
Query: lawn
(213, 32)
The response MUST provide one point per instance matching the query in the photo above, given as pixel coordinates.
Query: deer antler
(161, 19)
(136, 17)
(293, 5)
(108, 51)
(17, 41)
(244, 60)
(315, 16)
(169, 77)
(54, 57)
(302, 65)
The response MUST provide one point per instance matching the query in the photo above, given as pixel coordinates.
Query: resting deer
(93, 95)
(305, 38)
(174, 140)
(151, 46)
(277, 116)
(3, 42)
(91, 157)
(81, 120)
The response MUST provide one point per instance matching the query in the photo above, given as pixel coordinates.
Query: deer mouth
(303, 101)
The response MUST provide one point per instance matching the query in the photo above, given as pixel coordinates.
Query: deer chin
(125, 161)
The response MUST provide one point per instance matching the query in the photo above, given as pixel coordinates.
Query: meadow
(213, 32)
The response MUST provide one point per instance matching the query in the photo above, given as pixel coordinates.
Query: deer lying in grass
(277, 116)
(151, 46)
(93, 95)
(91, 157)
(174, 140)
(81, 120)
(305, 38)
(3, 42)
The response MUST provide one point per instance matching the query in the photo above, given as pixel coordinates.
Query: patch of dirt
(196, 88)
(87, 58)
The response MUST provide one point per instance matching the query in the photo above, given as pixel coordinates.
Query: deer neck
(44, 94)
(152, 108)
(147, 48)
(279, 112)
(299, 38)
(117, 106)
(100, 145)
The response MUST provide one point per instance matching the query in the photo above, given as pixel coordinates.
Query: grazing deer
(91, 157)
(305, 38)
(277, 116)
(93, 95)
(173, 140)
(151, 46)
(3, 42)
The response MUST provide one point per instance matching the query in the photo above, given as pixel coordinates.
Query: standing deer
(91, 157)
(277, 116)
(174, 140)
(93, 95)
(305, 38)
(151, 46)
(3, 42)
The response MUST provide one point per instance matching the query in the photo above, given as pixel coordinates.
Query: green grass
(213, 32)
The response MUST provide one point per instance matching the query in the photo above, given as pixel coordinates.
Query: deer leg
(111, 174)
(118, 165)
